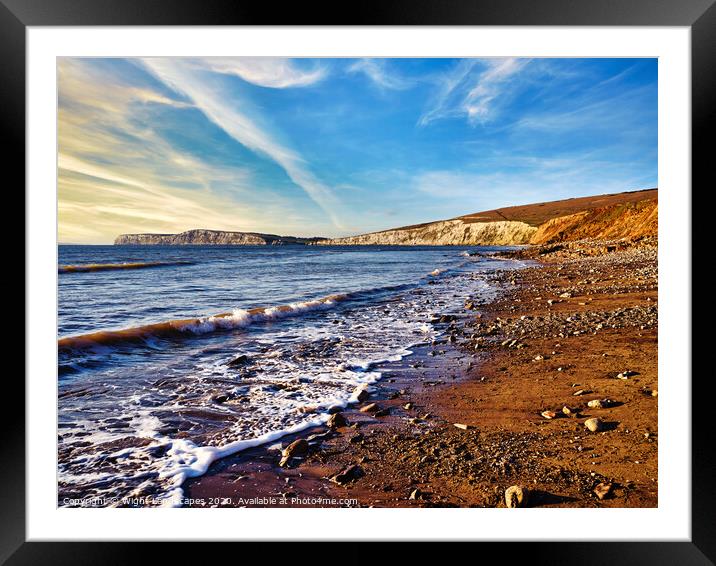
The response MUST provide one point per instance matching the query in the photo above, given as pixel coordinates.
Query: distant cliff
(622, 215)
(455, 232)
(215, 237)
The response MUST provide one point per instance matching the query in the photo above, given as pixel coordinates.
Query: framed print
(424, 275)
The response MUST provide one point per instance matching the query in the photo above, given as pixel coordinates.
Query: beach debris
(408, 406)
(370, 408)
(626, 374)
(296, 448)
(539, 358)
(565, 295)
(336, 420)
(516, 496)
(567, 411)
(654, 393)
(348, 475)
(594, 425)
(462, 426)
(549, 415)
(416, 494)
(581, 392)
(603, 490)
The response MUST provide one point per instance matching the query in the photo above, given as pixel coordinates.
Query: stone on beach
(594, 425)
(516, 496)
(603, 490)
(370, 408)
(347, 475)
(462, 426)
(549, 414)
(361, 394)
(296, 448)
(336, 420)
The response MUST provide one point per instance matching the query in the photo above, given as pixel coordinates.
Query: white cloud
(466, 93)
(479, 99)
(377, 71)
(272, 72)
(180, 77)
(118, 175)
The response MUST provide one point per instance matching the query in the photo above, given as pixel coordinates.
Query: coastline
(600, 322)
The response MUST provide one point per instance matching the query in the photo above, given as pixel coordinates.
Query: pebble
(370, 408)
(461, 426)
(594, 425)
(360, 393)
(515, 496)
(603, 490)
(549, 414)
(336, 420)
(296, 448)
(347, 475)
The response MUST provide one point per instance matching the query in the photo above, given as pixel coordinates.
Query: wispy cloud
(116, 174)
(213, 103)
(472, 89)
(272, 72)
(377, 71)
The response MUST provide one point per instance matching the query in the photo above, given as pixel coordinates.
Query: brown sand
(497, 388)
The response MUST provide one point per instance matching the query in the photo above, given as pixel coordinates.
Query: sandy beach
(506, 399)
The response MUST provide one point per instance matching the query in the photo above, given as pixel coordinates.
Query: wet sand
(579, 326)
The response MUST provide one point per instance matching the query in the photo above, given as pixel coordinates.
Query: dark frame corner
(700, 15)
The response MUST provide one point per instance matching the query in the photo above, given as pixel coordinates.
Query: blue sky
(341, 146)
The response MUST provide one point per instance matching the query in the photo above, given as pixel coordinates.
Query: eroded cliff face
(216, 237)
(445, 233)
(607, 217)
(628, 220)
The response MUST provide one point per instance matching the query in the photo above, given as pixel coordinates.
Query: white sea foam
(295, 372)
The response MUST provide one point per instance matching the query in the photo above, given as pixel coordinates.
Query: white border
(671, 521)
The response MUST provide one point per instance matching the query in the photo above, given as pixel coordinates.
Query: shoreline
(411, 453)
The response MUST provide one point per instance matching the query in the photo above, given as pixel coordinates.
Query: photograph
(340, 282)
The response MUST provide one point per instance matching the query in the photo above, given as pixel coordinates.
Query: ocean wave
(90, 267)
(238, 318)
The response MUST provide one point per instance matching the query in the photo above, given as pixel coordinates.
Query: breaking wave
(89, 267)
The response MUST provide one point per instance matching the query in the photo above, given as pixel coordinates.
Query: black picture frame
(699, 15)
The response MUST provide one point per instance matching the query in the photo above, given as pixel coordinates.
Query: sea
(170, 357)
